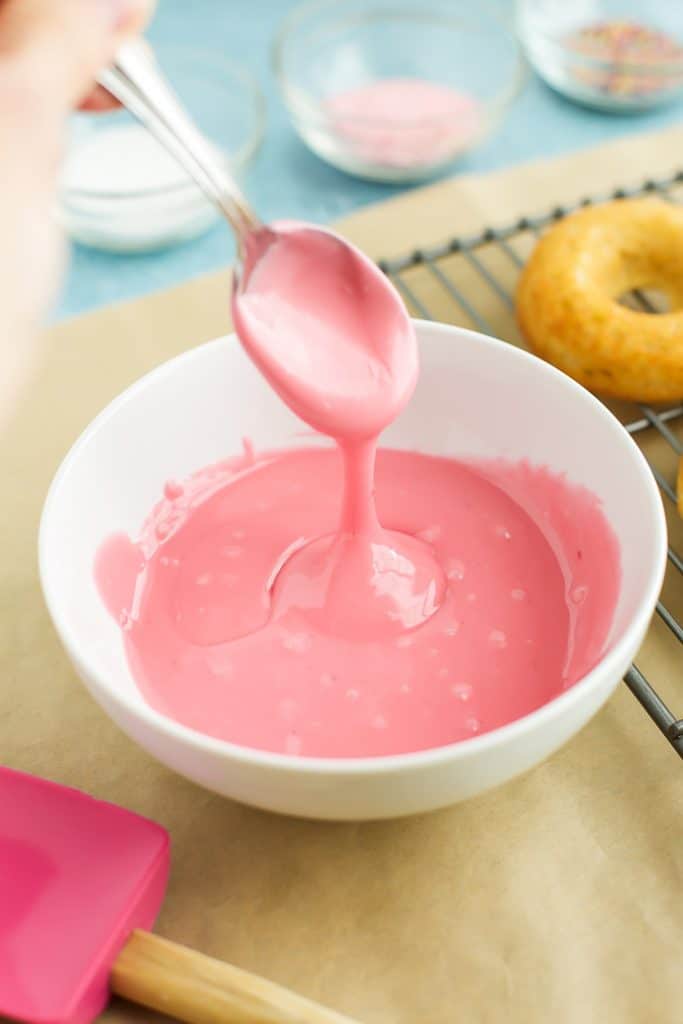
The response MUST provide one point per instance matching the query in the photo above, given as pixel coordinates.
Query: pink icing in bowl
(396, 91)
(476, 399)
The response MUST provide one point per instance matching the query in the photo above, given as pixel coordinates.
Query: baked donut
(567, 299)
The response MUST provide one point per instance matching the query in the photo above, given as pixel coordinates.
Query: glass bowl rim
(312, 110)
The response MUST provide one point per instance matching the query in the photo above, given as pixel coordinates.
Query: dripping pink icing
(331, 335)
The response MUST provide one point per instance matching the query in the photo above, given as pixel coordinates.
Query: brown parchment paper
(555, 898)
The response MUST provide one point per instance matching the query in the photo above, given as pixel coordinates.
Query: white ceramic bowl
(476, 397)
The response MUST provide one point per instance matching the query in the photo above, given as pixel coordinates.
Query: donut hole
(646, 300)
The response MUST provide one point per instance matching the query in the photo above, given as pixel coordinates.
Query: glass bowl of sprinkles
(396, 90)
(621, 55)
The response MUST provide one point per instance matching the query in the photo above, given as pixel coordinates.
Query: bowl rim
(237, 160)
(185, 736)
(304, 107)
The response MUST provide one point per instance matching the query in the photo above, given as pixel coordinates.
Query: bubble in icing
(293, 744)
(430, 534)
(462, 691)
(498, 639)
(405, 640)
(299, 643)
(455, 570)
(173, 490)
(288, 708)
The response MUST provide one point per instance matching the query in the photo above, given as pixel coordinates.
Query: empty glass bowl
(394, 90)
(121, 191)
(611, 54)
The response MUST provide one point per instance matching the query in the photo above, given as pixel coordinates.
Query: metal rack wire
(434, 283)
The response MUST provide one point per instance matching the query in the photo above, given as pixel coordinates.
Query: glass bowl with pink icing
(395, 90)
(504, 581)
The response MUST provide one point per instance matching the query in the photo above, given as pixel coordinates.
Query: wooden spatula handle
(200, 990)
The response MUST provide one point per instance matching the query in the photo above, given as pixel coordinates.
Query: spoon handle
(136, 80)
(177, 981)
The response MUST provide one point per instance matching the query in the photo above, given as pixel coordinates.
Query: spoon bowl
(326, 329)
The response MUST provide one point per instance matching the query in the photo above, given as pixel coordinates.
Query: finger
(99, 100)
(53, 50)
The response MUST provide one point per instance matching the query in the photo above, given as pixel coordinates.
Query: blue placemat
(287, 180)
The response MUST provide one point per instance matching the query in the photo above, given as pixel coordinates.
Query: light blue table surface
(287, 180)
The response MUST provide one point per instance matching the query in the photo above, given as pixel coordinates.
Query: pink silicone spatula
(80, 882)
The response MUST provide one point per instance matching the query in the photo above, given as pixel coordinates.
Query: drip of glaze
(333, 338)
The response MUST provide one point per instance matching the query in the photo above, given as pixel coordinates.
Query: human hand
(50, 53)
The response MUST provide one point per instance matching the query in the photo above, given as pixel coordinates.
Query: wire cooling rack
(471, 281)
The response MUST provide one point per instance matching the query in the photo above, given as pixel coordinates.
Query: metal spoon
(136, 80)
(322, 271)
